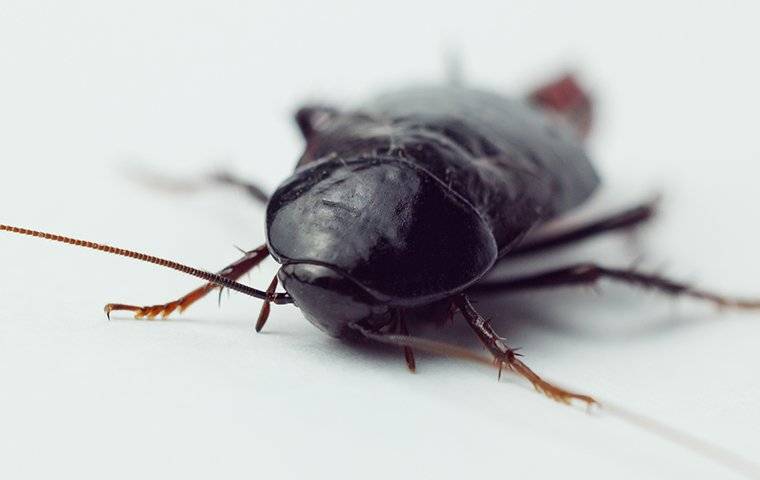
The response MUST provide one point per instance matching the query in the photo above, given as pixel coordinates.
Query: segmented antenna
(278, 298)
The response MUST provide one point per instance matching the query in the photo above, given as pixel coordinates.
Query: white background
(87, 87)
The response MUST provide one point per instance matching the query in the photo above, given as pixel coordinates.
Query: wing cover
(517, 166)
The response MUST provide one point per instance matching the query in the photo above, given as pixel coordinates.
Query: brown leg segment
(233, 272)
(266, 306)
(589, 274)
(626, 219)
(507, 357)
(408, 352)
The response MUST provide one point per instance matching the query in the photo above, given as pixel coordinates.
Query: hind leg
(617, 221)
(589, 274)
(232, 271)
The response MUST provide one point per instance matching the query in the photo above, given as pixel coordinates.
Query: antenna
(277, 298)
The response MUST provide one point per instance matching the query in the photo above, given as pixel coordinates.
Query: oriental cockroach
(398, 208)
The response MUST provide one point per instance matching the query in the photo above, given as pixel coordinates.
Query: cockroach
(397, 210)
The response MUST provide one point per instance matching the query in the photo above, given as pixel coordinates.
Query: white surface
(86, 85)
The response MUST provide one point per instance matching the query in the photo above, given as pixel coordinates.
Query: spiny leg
(507, 357)
(232, 271)
(621, 220)
(589, 274)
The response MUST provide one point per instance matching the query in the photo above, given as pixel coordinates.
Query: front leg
(507, 357)
(233, 271)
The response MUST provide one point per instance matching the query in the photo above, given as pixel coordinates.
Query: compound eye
(327, 298)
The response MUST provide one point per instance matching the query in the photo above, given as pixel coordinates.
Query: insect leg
(266, 306)
(232, 271)
(621, 220)
(172, 184)
(408, 352)
(252, 189)
(506, 357)
(589, 274)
